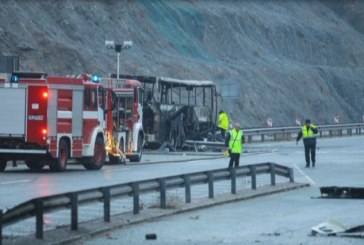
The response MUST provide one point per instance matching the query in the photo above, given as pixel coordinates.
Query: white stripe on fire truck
(90, 114)
(86, 114)
(23, 151)
(64, 114)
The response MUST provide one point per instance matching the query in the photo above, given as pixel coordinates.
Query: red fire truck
(125, 128)
(47, 120)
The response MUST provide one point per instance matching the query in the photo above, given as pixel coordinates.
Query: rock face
(280, 59)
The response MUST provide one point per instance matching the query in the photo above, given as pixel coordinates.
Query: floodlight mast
(118, 47)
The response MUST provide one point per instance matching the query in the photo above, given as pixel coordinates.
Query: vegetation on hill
(280, 59)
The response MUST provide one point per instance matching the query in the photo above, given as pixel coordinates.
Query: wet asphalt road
(284, 218)
(276, 219)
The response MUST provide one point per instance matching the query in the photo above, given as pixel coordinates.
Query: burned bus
(176, 110)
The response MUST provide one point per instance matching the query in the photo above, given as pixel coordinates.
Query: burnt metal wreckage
(342, 192)
(177, 110)
(333, 227)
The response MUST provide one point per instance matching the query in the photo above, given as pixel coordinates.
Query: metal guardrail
(324, 130)
(285, 133)
(39, 206)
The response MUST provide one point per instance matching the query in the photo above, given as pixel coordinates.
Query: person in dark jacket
(309, 133)
(234, 142)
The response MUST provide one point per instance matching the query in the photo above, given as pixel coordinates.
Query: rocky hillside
(282, 59)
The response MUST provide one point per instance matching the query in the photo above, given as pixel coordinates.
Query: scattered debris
(271, 234)
(342, 192)
(195, 217)
(335, 228)
(109, 235)
(151, 236)
(330, 227)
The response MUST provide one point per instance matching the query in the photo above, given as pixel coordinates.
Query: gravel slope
(283, 59)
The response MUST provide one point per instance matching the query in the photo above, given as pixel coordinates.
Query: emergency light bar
(14, 79)
(95, 78)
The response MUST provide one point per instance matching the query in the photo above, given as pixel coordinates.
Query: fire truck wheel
(138, 156)
(2, 165)
(98, 160)
(34, 165)
(60, 163)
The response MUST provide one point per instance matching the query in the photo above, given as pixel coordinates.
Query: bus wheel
(60, 163)
(97, 161)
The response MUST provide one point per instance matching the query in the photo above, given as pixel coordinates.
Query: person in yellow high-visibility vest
(234, 141)
(309, 133)
(223, 123)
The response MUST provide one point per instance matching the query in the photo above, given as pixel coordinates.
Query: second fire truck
(47, 120)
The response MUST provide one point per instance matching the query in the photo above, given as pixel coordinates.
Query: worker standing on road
(223, 123)
(234, 141)
(309, 133)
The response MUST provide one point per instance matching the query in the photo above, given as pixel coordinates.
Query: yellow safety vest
(235, 143)
(308, 133)
(223, 121)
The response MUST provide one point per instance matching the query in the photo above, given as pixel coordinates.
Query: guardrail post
(210, 177)
(106, 195)
(275, 137)
(254, 177)
(1, 226)
(330, 133)
(39, 219)
(291, 177)
(250, 139)
(187, 180)
(135, 187)
(272, 174)
(74, 211)
(233, 180)
(262, 137)
(195, 147)
(162, 185)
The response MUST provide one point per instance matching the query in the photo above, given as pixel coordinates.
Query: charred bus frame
(176, 110)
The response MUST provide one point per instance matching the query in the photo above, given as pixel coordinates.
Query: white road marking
(14, 182)
(116, 170)
(193, 161)
(313, 183)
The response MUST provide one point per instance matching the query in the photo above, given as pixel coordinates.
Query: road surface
(276, 219)
(284, 218)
